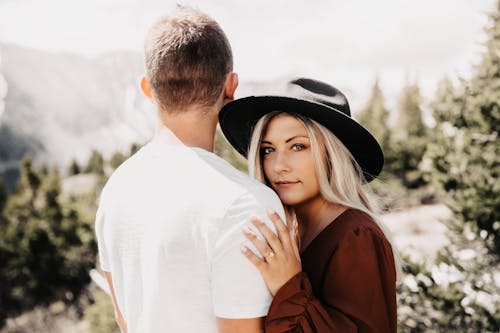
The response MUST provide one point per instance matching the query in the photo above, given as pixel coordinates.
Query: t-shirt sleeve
(99, 230)
(238, 289)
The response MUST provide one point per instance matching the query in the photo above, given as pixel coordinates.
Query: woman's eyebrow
(297, 136)
(288, 140)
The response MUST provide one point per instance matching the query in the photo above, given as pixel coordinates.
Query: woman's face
(288, 162)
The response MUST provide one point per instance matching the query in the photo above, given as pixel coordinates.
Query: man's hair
(187, 57)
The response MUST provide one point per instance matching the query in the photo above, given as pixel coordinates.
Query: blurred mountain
(61, 106)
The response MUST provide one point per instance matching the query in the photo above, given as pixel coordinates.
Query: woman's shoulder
(350, 232)
(356, 222)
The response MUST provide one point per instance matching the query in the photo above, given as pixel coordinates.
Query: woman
(339, 273)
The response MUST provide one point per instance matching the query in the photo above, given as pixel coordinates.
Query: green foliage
(448, 298)
(227, 152)
(374, 116)
(468, 173)
(400, 183)
(403, 159)
(409, 121)
(404, 145)
(460, 293)
(409, 141)
(100, 315)
(117, 159)
(392, 195)
(134, 148)
(3, 198)
(45, 251)
(74, 168)
(29, 180)
(95, 163)
(466, 156)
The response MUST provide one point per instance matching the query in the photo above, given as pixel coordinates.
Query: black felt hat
(310, 98)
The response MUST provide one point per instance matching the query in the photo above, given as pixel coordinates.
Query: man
(170, 218)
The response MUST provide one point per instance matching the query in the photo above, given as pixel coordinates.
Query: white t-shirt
(169, 229)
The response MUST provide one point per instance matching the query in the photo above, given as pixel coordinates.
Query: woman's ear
(146, 88)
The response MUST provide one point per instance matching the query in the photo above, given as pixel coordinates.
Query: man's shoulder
(125, 172)
(238, 178)
(248, 189)
(262, 192)
(255, 194)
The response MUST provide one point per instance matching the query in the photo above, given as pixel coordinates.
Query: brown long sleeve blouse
(348, 282)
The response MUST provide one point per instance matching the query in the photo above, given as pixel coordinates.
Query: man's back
(169, 229)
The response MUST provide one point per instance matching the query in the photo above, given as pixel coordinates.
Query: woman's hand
(280, 255)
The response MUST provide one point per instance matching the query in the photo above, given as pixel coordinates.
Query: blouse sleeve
(358, 293)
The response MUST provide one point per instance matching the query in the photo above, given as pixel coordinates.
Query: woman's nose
(281, 163)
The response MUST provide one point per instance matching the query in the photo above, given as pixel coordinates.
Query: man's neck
(194, 126)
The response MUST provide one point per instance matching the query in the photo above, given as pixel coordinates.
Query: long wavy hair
(340, 178)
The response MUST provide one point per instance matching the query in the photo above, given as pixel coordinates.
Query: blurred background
(423, 76)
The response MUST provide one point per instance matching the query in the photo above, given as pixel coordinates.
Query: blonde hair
(340, 178)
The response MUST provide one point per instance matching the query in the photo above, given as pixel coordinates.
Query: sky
(345, 43)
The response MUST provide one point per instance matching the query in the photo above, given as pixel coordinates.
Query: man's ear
(230, 87)
(146, 88)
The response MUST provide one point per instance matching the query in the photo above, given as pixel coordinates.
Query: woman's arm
(296, 309)
(246, 325)
(118, 314)
(358, 292)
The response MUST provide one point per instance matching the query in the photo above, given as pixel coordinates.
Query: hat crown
(318, 92)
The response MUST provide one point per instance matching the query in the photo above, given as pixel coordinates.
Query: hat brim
(238, 118)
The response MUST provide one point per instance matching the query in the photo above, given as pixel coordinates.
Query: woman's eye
(266, 150)
(298, 147)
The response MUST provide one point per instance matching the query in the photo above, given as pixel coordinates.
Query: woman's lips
(285, 183)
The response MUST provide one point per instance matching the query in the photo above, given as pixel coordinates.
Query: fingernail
(244, 249)
(270, 212)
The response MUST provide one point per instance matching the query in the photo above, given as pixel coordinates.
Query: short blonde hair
(340, 178)
(187, 58)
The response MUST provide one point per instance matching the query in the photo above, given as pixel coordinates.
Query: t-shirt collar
(164, 135)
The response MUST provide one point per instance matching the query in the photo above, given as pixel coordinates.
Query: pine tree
(46, 252)
(3, 197)
(95, 163)
(374, 116)
(409, 140)
(29, 181)
(74, 168)
(409, 121)
(460, 292)
(134, 148)
(117, 159)
(468, 132)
